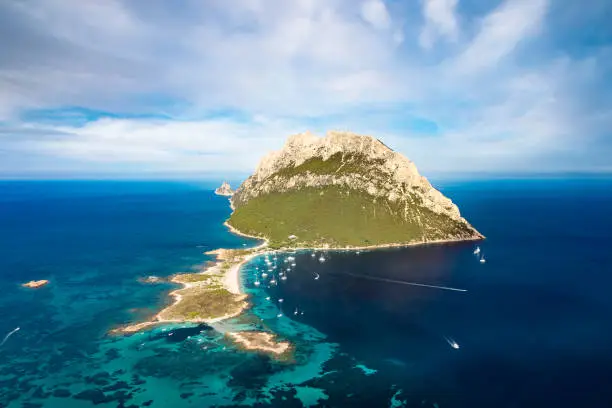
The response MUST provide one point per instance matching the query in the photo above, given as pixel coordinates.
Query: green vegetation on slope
(204, 303)
(340, 217)
(338, 163)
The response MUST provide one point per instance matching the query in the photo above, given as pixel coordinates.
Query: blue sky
(205, 88)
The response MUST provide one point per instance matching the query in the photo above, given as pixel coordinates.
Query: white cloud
(500, 33)
(440, 22)
(281, 68)
(214, 145)
(375, 12)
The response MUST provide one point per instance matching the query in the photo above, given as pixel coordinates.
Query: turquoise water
(533, 325)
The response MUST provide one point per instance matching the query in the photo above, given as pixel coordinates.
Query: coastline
(225, 272)
(234, 230)
(230, 279)
(384, 246)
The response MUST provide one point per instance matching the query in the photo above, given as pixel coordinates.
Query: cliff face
(224, 190)
(348, 163)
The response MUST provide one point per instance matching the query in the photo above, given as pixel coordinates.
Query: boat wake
(8, 335)
(404, 282)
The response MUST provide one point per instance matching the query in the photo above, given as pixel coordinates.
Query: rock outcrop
(224, 190)
(363, 166)
(35, 283)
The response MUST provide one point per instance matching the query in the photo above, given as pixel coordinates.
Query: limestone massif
(344, 190)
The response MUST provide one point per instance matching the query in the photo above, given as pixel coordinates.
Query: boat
(264, 275)
(452, 343)
(295, 311)
(313, 255)
(482, 259)
(283, 277)
(317, 277)
(281, 300)
(322, 259)
(477, 250)
(256, 283)
(279, 315)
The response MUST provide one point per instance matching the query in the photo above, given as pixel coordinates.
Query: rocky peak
(374, 168)
(224, 190)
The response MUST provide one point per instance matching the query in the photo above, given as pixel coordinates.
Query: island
(224, 190)
(342, 191)
(35, 284)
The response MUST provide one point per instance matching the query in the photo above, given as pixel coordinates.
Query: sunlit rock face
(224, 190)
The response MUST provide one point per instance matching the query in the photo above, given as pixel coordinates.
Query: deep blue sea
(533, 324)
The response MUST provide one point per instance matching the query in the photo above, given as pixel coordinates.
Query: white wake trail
(404, 282)
(8, 335)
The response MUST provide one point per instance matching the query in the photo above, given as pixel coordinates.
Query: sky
(204, 88)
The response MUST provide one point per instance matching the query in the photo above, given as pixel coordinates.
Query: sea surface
(533, 324)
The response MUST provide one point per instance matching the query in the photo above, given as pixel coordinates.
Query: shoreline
(384, 246)
(234, 230)
(230, 280)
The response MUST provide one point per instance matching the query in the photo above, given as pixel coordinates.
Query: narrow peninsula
(341, 191)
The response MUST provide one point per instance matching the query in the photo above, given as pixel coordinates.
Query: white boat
(279, 315)
(295, 311)
(268, 298)
(293, 264)
(291, 258)
(283, 277)
(482, 259)
(316, 277)
(322, 259)
(452, 343)
(273, 282)
(264, 275)
(281, 300)
(313, 255)
(477, 250)
(256, 283)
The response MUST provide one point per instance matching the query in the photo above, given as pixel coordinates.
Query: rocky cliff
(224, 190)
(377, 194)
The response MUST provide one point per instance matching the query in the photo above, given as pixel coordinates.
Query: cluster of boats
(274, 270)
